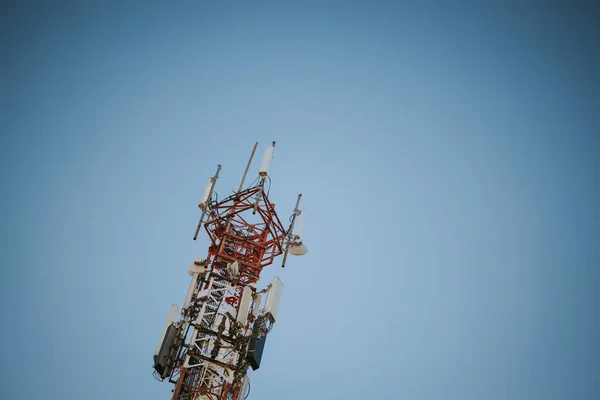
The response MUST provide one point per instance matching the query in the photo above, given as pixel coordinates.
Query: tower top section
(252, 209)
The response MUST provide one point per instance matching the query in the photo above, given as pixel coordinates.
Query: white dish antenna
(298, 249)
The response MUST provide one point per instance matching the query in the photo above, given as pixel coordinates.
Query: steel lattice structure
(208, 352)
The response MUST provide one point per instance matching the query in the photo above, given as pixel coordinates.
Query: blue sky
(448, 154)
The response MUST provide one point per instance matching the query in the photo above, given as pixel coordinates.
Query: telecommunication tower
(207, 349)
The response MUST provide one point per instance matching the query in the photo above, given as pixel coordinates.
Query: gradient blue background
(449, 157)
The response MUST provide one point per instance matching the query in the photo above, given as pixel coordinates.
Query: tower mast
(224, 322)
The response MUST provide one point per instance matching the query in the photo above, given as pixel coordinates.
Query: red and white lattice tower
(225, 319)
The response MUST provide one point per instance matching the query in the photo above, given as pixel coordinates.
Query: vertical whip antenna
(290, 235)
(247, 167)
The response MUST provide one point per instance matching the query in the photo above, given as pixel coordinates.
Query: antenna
(263, 173)
(266, 162)
(247, 166)
(294, 245)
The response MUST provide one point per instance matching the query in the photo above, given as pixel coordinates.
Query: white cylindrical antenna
(170, 319)
(190, 293)
(298, 249)
(205, 194)
(266, 162)
(299, 223)
(245, 387)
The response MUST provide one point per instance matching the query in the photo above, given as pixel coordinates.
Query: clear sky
(448, 154)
